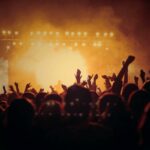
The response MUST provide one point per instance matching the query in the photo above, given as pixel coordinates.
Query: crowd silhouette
(81, 117)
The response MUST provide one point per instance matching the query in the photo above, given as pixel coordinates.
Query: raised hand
(52, 89)
(64, 87)
(95, 77)
(107, 81)
(89, 81)
(117, 85)
(41, 90)
(78, 76)
(28, 85)
(142, 75)
(136, 80)
(11, 88)
(17, 87)
(4, 89)
(84, 83)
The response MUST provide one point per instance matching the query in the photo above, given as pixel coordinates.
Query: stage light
(79, 33)
(9, 32)
(7, 47)
(57, 44)
(72, 33)
(13, 43)
(57, 33)
(20, 43)
(16, 32)
(83, 44)
(50, 33)
(97, 34)
(75, 44)
(111, 34)
(105, 34)
(3, 32)
(44, 33)
(99, 44)
(31, 33)
(63, 44)
(67, 33)
(106, 48)
(94, 44)
(85, 33)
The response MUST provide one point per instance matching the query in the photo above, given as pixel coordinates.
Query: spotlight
(94, 44)
(50, 33)
(75, 44)
(79, 33)
(106, 48)
(64, 44)
(111, 34)
(3, 32)
(72, 33)
(67, 33)
(9, 32)
(20, 43)
(105, 34)
(31, 33)
(44, 33)
(57, 44)
(16, 32)
(57, 33)
(13, 43)
(99, 44)
(83, 44)
(7, 47)
(85, 33)
(97, 34)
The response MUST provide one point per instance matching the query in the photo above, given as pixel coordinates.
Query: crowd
(81, 117)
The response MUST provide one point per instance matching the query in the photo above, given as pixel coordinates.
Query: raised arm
(117, 85)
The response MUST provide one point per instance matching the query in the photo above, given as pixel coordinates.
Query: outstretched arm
(142, 75)
(78, 76)
(117, 85)
(17, 88)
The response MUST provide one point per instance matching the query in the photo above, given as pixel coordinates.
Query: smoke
(128, 20)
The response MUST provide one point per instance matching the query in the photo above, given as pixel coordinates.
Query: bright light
(99, 44)
(7, 47)
(16, 32)
(55, 65)
(50, 33)
(75, 44)
(72, 33)
(57, 33)
(31, 33)
(64, 44)
(57, 44)
(9, 32)
(85, 33)
(20, 43)
(67, 33)
(4, 32)
(83, 44)
(105, 34)
(14, 43)
(79, 33)
(97, 33)
(94, 44)
(111, 34)
(44, 33)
